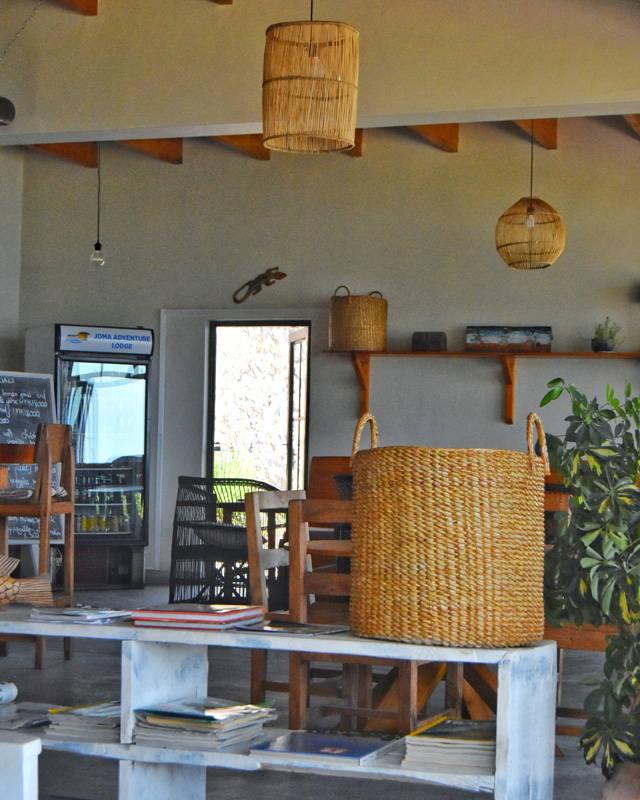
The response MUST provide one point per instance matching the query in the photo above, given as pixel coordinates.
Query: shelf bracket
(362, 365)
(509, 366)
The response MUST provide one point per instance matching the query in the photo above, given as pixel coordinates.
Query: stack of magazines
(98, 722)
(453, 745)
(207, 723)
(217, 617)
(82, 614)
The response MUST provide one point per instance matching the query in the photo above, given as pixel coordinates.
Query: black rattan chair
(209, 552)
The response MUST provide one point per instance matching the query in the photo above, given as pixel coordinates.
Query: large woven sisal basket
(448, 544)
(357, 322)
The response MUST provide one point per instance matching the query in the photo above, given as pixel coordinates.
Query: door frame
(178, 413)
(211, 387)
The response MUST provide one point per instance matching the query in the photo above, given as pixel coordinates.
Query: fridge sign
(117, 341)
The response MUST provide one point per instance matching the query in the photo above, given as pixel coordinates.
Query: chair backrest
(303, 583)
(196, 500)
(266, 521)
(53, 447)
(321, 484)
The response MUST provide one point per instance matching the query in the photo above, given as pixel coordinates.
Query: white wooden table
(167, 664)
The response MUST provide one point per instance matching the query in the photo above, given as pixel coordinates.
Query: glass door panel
(105, 404)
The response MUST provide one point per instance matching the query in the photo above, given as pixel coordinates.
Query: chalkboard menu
(26, 400)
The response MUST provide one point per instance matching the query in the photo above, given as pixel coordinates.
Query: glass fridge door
(106, 405)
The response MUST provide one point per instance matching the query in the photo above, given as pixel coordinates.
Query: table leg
(155, 672)
(141, 781)
(526, 724)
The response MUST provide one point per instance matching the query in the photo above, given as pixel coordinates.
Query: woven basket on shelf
(357, 322)
(448, 544)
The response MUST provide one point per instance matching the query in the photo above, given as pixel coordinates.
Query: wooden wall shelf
(361, 361)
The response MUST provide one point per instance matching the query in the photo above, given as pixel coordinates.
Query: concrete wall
(406, 219)
(143, 67)
(11, 345)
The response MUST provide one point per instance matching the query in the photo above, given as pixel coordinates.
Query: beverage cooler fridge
(101, 380)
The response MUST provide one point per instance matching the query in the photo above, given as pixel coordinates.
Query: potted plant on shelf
(592, 571)
(606, 337)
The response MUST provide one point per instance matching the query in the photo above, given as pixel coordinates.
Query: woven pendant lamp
(310, 87)
(530, 234)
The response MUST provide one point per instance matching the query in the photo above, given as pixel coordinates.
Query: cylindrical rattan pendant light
(310, 87)
(530, 234)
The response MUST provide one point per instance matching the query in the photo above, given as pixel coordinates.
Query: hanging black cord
(531, 176)
(311, 10)
(98, 245)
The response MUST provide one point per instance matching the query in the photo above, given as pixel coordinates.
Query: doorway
(258, 401)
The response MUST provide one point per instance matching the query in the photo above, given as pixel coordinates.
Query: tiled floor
(94, 673)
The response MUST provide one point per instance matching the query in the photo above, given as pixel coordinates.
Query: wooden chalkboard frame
(37, 409)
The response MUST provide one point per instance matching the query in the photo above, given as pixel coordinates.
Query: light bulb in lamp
(317, 67)
(97, 257)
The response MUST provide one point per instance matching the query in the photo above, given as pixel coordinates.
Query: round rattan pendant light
(530, 234)
(310, 87)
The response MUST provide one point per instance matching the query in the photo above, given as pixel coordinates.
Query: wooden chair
(52, 449)
(266, 521)
(395, 702)
(470, 689)
(569, 637)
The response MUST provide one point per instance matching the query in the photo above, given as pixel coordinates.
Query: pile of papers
(98, 722)
(14, 716)
(218, 617)
(85, 614)
(207, 723)
(445, 744)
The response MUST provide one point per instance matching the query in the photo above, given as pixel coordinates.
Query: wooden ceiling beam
(169, 150)
(87, 7)
(356, 150)
(248, 143)
(634, 121)
(545, 131)
(444, 136)
(83, 153)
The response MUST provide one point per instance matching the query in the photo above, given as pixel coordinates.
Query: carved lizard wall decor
(254, 286)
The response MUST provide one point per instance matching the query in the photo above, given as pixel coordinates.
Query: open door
(257, 410)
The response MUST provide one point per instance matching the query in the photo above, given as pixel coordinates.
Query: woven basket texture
(310, 87)
(524, 247)
(357, 322)
(448, 544)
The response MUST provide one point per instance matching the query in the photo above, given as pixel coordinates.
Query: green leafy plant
(592, 571)
(234, 464)
(607, 330)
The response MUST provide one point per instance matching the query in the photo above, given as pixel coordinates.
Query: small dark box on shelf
(429, 341)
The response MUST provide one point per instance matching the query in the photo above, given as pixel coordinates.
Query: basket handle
(367, 417)
(532, 419)
(372, 293)
(343, 287)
